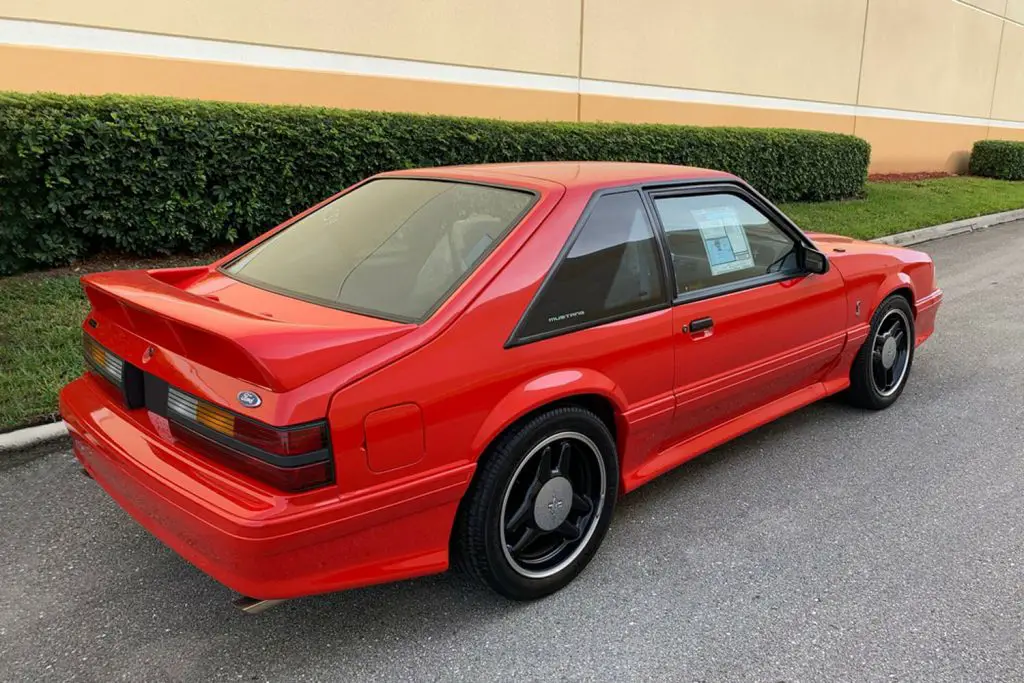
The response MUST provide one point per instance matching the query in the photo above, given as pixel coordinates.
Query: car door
(750, 325)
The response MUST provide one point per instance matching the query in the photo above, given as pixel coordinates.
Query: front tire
(540, 504)
(883, 363)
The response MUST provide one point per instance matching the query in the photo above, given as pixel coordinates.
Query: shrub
(144, 175)
(1002, 159)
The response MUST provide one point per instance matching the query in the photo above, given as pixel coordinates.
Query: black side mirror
(813, 261)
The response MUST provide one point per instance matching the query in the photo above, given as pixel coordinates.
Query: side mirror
(813, 261)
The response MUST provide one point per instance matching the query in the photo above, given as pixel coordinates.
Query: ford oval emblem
(249, 399)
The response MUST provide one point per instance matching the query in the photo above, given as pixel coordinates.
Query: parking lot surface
(834, 544)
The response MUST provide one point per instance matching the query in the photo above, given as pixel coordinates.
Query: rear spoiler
(274, 354)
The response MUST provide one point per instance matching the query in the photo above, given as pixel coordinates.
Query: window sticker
(725, 240)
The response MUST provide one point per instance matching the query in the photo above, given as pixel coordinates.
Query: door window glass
(717, 239)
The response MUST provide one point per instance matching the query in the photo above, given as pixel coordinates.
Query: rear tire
(540, 504)
(882, 365)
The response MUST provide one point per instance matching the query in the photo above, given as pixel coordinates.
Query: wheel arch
(908, 294)
(900, 284)
(587, 388)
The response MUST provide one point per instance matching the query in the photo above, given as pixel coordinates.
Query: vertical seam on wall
(860, 70)
(995, 79)
(579, 70)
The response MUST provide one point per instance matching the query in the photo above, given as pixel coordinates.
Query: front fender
(543, 390)
(892, 282)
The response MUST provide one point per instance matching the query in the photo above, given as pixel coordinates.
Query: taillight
(288, 458)
(102, 362)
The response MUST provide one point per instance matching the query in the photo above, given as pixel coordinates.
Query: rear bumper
(927, 309)
(254, 540)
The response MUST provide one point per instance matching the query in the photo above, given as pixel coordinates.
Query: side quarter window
(612, 270)
(717, 239)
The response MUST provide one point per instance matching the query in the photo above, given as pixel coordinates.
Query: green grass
(40, 345)
(889, 208)
(40, 338)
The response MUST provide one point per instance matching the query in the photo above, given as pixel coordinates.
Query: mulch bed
(907, 177)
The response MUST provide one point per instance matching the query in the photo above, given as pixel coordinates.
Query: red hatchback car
(471, 362)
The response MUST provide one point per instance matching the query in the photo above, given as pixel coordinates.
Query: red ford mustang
(471, 363)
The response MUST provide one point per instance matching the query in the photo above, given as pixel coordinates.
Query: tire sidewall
(517, 449)
(874, 395)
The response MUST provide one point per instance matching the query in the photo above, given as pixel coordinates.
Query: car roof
(569, 174)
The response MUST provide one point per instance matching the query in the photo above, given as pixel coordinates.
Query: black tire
(869, 377)
(503, 486)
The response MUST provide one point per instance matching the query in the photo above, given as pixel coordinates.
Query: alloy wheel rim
(890, 352)
(552, 505)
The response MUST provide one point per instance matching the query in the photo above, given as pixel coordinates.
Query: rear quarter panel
(470, 387)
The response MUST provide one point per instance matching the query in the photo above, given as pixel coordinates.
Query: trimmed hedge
(143, 175)
(1003, 159)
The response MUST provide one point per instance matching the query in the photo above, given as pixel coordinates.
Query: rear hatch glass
(393, 248)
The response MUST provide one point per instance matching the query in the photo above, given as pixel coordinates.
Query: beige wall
(994, 6)
(742, 46)
(919, 79)
(1015, 10)
(929, 55)
(528, 35)
(1008, 102)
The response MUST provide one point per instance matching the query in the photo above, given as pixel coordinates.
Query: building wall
(920, 79)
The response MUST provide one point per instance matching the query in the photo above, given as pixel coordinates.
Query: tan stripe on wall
(603, 108)
(69, 71)
(1005, 134)
(897, 145)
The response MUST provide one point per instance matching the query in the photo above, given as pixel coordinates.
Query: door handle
(699, 324)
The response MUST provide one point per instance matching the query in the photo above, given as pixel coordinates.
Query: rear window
(393, 248)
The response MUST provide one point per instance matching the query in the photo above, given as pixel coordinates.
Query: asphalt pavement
(833, 544)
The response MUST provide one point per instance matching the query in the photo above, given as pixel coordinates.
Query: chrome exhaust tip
(255, 605)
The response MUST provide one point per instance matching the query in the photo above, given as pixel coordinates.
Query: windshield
(393, 248)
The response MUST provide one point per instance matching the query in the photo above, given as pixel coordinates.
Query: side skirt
(676, 455)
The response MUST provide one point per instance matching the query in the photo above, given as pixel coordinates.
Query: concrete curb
(23, 439)
(949, 229)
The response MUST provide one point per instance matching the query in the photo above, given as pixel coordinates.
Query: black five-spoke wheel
(883, 363)
(890, 351)
(548, 510)
(540, 503)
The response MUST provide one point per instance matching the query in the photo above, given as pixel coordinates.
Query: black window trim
(752, 197)
(380, 315)
(516, 340)
(648, 192)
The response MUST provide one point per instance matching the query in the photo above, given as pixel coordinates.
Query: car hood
(842, 244)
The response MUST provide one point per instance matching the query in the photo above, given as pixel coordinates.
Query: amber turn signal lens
(101, 361)
(259, 450)
(279, 441)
